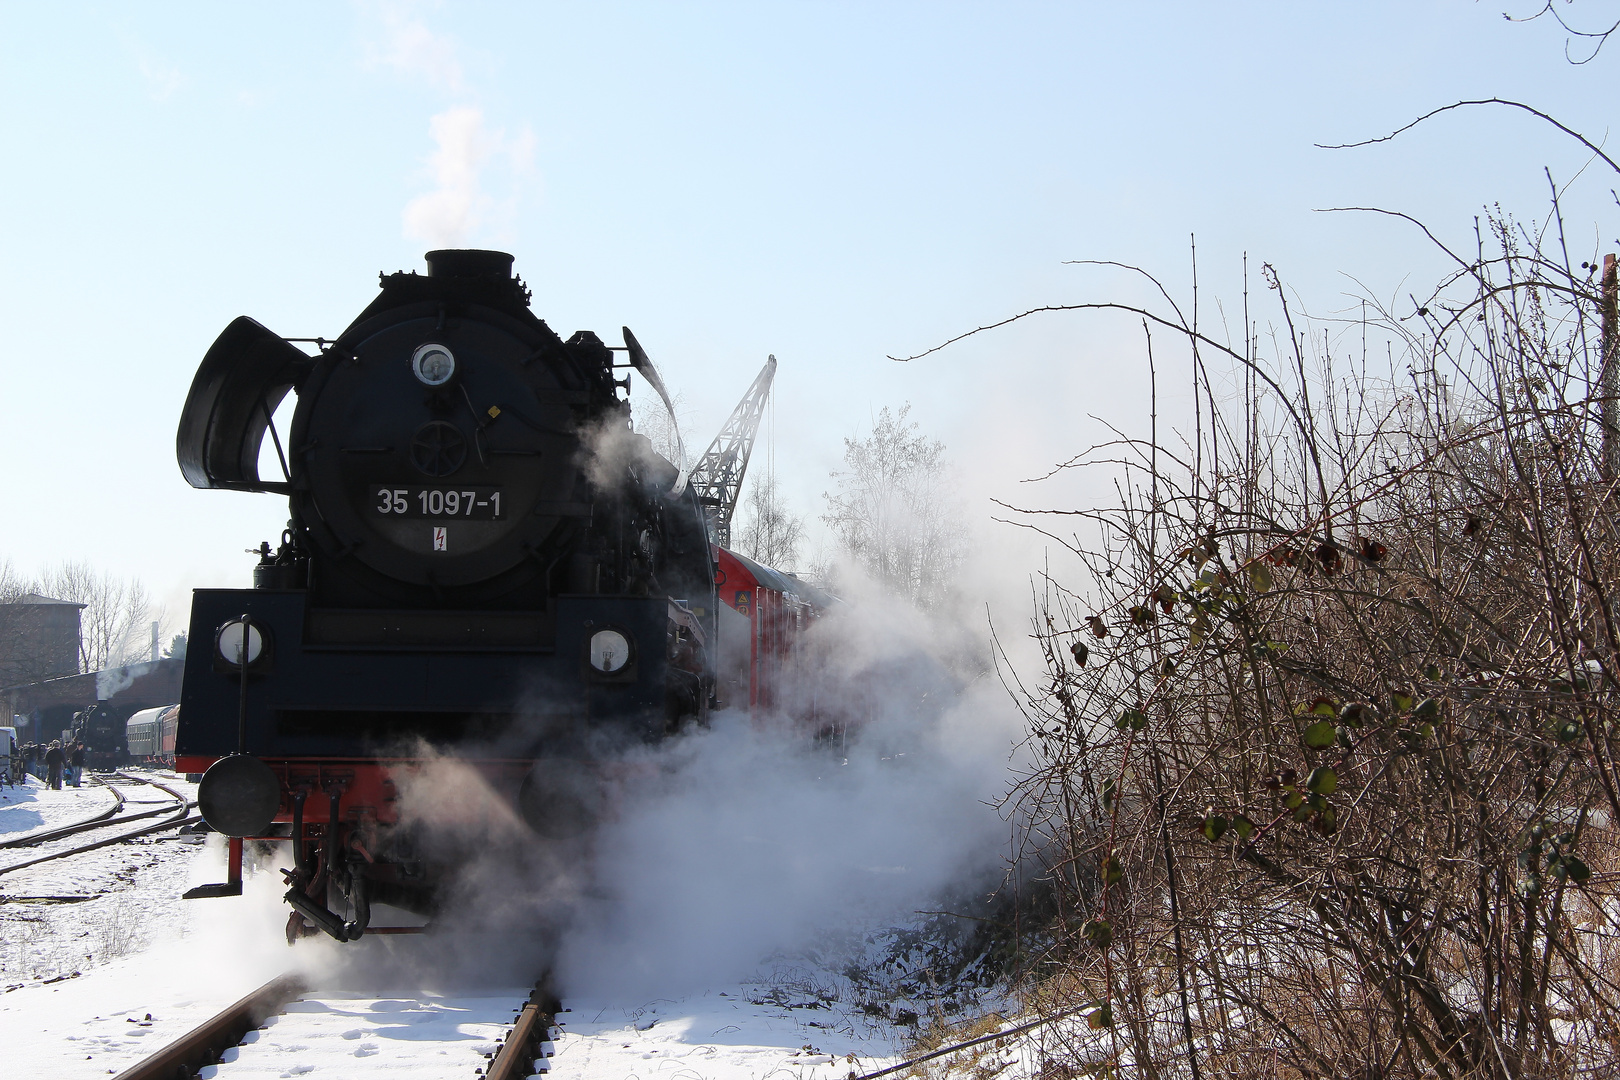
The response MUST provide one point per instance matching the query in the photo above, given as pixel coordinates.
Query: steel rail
(203, 1045)
(515, 1058)
(88, 827)
(184, 817)
(102, 822)
(161, 787)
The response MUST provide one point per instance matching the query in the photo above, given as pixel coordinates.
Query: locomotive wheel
(298, 928)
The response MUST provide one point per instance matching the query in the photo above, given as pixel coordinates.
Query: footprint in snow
(365, 1050)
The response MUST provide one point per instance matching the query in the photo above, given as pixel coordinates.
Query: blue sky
(827, 182)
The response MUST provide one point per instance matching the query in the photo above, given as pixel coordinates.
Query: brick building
(39, 639)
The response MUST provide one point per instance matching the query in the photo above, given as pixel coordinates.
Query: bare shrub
(1324, 748)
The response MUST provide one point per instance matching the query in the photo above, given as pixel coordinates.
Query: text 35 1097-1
(431, 502)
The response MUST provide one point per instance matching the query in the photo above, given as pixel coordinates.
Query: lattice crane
(717, 477)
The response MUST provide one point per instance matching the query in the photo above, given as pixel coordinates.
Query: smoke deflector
(247, 371)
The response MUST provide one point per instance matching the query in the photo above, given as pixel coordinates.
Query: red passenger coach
(763, 614)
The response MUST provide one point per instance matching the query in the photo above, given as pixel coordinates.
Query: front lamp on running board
(235, 639)
(610, 652)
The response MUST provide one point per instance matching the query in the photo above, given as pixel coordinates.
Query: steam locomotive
(482, 555)
(101, 729)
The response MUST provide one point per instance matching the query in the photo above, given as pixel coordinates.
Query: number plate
(438, 503)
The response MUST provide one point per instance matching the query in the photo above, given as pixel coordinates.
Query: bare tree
(12, 584)
(895, 511)
(771, 534)
(116, 618)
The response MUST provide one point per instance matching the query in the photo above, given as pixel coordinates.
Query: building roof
(34, 599)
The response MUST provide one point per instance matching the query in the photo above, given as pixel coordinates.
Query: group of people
(51, 762)
(61, 759)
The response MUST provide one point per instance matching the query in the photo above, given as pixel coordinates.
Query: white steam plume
(443, 217)
(752, 837)
(459, 206)
(409, 47)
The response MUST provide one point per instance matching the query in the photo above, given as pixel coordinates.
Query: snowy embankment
(114, 965)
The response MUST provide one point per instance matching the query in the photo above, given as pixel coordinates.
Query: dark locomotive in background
(481, 555)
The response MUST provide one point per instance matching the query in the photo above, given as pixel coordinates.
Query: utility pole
(1609, 373)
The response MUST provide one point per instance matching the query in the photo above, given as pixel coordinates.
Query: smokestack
(469, 263)
(154, 643)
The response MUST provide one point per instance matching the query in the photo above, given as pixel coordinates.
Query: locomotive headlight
(610, 651)
(229, 644)
(433, 365)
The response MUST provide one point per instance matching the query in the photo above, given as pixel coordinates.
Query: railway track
(491, 1037)
(179, 811)
(205, 1044)
(40, 836)
(306, 1020)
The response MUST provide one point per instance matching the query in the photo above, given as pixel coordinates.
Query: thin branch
(1571, 132)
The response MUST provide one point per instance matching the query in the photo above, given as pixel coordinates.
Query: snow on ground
(31, 806)
(92, 987)
(70, 915)
(356, 1035)
(733, 1034)
(89, 988)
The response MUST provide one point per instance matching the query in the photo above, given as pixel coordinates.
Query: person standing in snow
(54, 760)
(76, 763)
